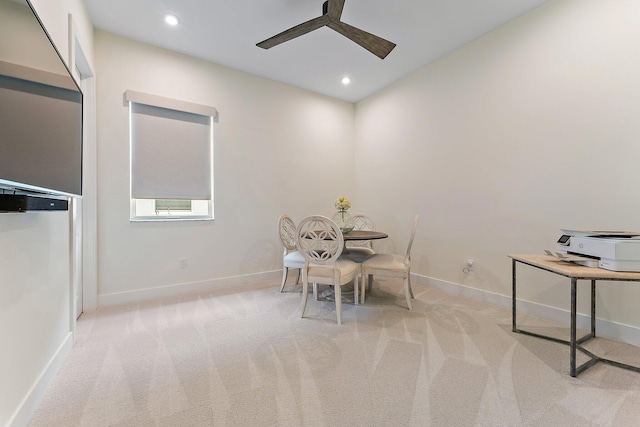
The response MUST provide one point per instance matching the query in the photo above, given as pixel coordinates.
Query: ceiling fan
(331, 13)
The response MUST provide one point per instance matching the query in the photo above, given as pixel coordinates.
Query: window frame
(144, 209)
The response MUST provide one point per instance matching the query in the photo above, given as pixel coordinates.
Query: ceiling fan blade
(293, 32)
(335, 9)
(374, 44)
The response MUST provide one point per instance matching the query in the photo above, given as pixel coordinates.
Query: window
(171, 145)
(173, 205)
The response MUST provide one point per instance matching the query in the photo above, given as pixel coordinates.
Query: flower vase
(344, 220)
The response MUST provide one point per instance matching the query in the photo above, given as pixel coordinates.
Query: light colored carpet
(246, 358)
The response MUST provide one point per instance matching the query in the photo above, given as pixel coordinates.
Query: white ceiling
(226, 33)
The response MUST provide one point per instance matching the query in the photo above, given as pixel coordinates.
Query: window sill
(167, 218)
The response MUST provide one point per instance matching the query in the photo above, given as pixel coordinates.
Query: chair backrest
(407, 257)
(319, 239)
(287, 229)
(361, 222)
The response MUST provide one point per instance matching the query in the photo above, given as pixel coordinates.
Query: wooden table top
(364, 235)
(570, 269)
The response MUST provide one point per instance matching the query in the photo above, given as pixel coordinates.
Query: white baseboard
(148, 294)
(604, 328)
(31, 401)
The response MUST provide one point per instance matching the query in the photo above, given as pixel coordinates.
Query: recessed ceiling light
(346, 80)
(171, 19)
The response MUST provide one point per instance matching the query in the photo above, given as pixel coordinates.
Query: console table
(574, 272)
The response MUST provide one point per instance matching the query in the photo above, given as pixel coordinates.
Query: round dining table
(364, 235)
(361, 235)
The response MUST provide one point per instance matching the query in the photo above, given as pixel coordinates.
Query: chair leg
(338, 303)
(285, 271)
(315, 292)
(409, 280)
(364, 287)
(305, 294)
(298, 277)
(407, 292)
(356, 291)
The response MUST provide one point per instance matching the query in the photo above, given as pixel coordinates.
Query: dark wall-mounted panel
(25, 203)
(40, 108)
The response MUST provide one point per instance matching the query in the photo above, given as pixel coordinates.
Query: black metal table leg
(593, 308)
(572, 342)
(513, 295)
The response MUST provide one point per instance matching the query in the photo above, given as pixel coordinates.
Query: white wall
(55, 16)
(277, 150)
(35, 283)
(498, 146)
(34, 301)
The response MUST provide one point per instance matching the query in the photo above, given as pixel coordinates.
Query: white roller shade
(171, 153)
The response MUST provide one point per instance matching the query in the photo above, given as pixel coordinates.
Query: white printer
(614, 250)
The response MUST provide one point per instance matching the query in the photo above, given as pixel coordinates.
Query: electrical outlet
(183, 263)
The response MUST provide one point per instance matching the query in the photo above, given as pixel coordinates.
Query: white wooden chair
(361, 248)
(320, 242)
(390, 265)
(291, 257)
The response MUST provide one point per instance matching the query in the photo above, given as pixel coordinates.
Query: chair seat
(294, 260)
(357, 254)
(361, 250)
(389, 262)
(347, 270)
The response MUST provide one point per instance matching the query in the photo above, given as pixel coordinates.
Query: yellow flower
(342, 203)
